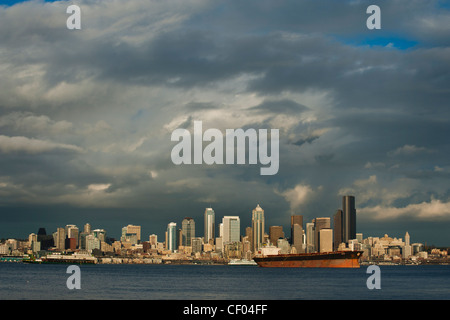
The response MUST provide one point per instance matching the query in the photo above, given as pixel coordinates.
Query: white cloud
(32, 146)
(381, 191)
(407, 150)
(299, 196)
(99, 186)
(37, 124)
(435, 209)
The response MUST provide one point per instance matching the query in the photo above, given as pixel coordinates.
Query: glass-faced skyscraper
(348, 218)
(209, 225)
(231, 229)
(337, 227)
(171, 236)
(258, 227)
(188, 231)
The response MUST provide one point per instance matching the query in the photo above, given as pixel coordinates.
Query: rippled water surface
(206, 282)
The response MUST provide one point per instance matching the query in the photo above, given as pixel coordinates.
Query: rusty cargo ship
(336, 259)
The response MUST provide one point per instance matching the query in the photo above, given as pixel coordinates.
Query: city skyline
(231, 230)
(87, 115)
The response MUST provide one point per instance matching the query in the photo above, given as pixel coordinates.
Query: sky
(86, 116)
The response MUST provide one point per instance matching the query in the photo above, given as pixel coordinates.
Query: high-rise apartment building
(210, 225)
(188, 231)
(231, 229)
(348, 218)
(258, 227)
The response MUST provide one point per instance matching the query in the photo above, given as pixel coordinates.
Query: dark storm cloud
(280, 106)
(356, 111)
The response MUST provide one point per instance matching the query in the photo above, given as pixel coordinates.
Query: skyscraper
(258, 227)
(100, 234)
(132, 229)
(297, 234)
(297, 219)
(131, 234)
(171, 241)
(188, 231)
(320, 223)
(60, 238)
(407, 251)
(297, 238)
(275, 232)
(231, 229)
(87, 228)
(46, 241)
(310, 245)
(326, 240)
(72, 232)
(337, 226)
(210, 225)
(348, 218)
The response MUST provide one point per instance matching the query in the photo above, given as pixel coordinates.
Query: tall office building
(196, 244)
(275, 232)
(231, 229)
(258, 227)
(210, 226)
(46, 241)
(337, 226)
(60, 240)
(310, 244)
(87, 228)
(297, 238)
(297, 234)
(171, 236)
(249, 235)
(72, 232)
(100, 234)
(407, 251)
(297, 219)
(319, 223)
(153, 239)
(130, 230)
(188, 231)
(32, 238)
(92, 242)
(348, 218)
(326, 240)
(129, 235)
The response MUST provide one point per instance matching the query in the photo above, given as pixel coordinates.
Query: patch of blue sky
(393, 42)
(13, 2)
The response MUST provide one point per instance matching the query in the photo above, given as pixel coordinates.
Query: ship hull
(338, 259)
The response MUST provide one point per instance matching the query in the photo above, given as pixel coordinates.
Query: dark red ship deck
(337, 259)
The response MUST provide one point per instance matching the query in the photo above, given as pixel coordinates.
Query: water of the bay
(216, 282)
